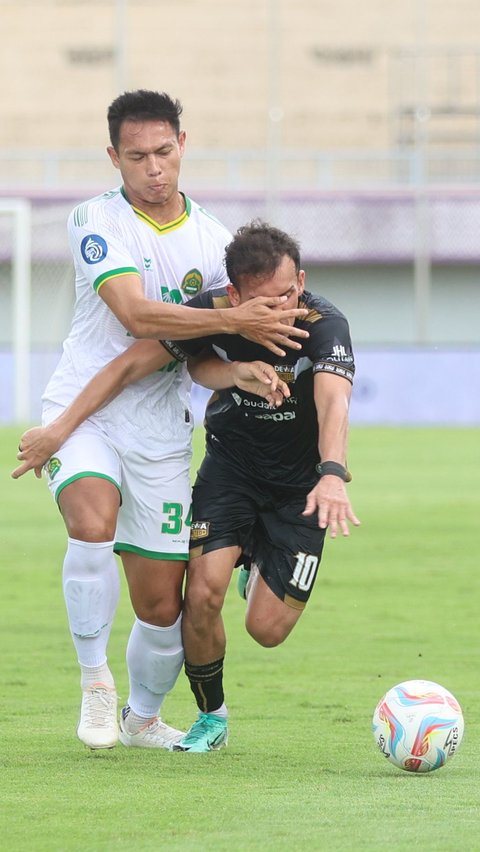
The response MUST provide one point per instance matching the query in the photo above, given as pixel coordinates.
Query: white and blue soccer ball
(418, 725)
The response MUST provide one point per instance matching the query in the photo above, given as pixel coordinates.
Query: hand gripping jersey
(278, 446)
(110, 238)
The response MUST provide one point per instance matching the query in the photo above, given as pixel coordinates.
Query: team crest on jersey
(199, 529)
(192, 282)
(93, 248)
(52, 467)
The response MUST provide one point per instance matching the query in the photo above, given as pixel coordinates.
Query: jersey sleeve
(98, 247)
(330, 346)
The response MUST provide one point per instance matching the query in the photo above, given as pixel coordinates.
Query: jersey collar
(168, 226)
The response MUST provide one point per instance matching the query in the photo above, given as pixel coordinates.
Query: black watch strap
(330, 468)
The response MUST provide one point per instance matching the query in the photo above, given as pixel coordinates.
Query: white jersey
(110, 238)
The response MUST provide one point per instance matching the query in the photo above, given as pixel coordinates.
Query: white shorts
(154, 516)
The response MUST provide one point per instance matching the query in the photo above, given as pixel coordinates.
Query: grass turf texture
(395, 601)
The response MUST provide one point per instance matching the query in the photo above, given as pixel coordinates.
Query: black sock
(206, 683)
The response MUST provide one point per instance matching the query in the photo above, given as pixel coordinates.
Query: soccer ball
(418, 725)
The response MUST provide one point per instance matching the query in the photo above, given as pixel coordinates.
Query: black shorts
(229, 508)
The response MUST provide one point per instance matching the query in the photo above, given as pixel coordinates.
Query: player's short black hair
(258, 249)
(142, 105)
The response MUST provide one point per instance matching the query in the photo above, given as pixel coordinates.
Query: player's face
(149, 157)
(284, 282)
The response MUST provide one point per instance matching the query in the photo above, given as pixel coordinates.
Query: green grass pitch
(397, 600)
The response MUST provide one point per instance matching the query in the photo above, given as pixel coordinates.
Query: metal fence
(38, 169)
(411, 230)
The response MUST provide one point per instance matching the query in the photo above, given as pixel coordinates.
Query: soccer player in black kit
(273, 478)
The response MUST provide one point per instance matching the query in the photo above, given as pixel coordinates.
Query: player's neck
(162, 214)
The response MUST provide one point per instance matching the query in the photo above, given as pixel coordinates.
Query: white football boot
(153, 734)
(98, 727)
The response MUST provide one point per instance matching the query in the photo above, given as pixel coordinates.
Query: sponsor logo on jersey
(93, 248)
(262, 403)
(277, 416)
(328, 367)
(339, 353)
(147, 262)
(256, 403)
(174, 297)
(199, 529)
(192, 282)
(286, 372)
(52, 467)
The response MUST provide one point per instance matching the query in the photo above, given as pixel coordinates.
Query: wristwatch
(330, 468)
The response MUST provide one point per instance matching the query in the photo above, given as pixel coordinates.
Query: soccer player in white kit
(121, 480)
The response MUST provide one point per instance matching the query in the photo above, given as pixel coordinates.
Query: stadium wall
(339, 75)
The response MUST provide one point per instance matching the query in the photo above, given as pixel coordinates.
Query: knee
(202, 603)
(93, 530)
(266, 635)
(159, 611)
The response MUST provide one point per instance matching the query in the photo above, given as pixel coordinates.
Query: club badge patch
(52, 467)
(192, 282)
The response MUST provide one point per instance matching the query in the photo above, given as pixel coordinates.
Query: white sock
(96, 674)
(133, 722)
(154, 660)
(91, 588)
(222, 711)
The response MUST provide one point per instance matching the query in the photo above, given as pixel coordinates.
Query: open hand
(263, 321)
(330, 499)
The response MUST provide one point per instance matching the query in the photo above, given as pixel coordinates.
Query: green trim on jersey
(149, 554)
(80, 214)
(169, 226)
(161, 229)
(83, 475)
(113, 273)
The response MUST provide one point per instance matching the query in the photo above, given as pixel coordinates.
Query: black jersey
(279, 446)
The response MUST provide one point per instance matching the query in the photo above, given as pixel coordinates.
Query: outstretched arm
(329, 496)
(37, 445)
(255, 377)
(261, 319)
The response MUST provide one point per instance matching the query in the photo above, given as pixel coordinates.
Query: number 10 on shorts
(304, 571)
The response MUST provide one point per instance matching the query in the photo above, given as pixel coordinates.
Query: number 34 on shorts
(174, 522)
